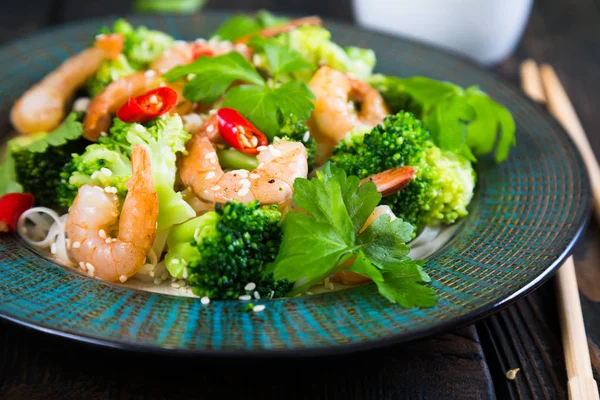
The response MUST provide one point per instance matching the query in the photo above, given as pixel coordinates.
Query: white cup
(484, 30)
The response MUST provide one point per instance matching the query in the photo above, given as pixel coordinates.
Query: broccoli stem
(233, 159)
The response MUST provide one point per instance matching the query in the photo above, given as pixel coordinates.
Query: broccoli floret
(164, 138)
(38, 165)
(297, 130)
(444, 181)
(233, 246)
(98, 165)
(110, 70)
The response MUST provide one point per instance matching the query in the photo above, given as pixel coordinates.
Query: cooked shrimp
(42, 108)
(182, 53)
(270, 183)
(277, 30)
(93, 217)
(107, 102)
(333, 116)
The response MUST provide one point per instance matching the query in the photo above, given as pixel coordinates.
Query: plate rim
(339, 348)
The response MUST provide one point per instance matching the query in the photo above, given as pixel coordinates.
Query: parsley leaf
(319, 240)
(465, 121)
(70, 129)
(282, 59)
(263, 105)
(213, 75)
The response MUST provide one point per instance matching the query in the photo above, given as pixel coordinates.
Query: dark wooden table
(469, 363)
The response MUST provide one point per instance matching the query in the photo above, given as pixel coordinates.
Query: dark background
(468, 363)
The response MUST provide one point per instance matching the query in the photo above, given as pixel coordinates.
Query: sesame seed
(157, 281)
(210, 128)
(306, 136)
(76, 245)
(185, 273)
(106, 171)
(245, 297)
(175, 260)
(95, 174)
(512, 373)
(149, 73)
(89, 265)
(254, 176)
(103, 133)
(205, 300)
(139, 128)
(261, 148)
(257, 295)
(102, 233)
(258, 308)
(82, 266)
(215, 188)
(210, 175)
(151, 273)
(176, 285)
(81, 104)
(272, 294)
(243, 191)
(123, 278)
(68, 243)
(108, 240)
(91, 269)
(245, 182)
(250, 286)
(53, 248)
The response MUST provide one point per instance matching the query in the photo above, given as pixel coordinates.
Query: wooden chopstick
(581, 382)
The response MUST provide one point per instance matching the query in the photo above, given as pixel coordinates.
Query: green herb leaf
(282, 59)
(463, 121)
(213, 75)
(237, 26)
(316, 245)
(8, 176)
(263, 106)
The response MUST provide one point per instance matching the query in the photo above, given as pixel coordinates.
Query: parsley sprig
(263, 103)
(318, 241)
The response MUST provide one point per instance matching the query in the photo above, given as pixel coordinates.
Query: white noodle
(427, 248)
(427, 235)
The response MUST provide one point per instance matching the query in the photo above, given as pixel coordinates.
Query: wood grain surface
(469, 363)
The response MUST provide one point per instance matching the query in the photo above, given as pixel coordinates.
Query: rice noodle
(425, 248)
(427, 235)
(51, 233)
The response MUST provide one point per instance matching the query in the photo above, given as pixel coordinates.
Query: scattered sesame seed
(210, 175)
(272, 294)
(91, 269)
(257, 295)
(205, 300)
(95, 174)
(81, 104)
(123, 278)
(102, 233)
(215, 188)
(185, 273)
(108, 240)
(176, 260)
(210, 128)
(149, 73)
(258, 308)
(53, 248)
(245, 183)
(254, 176)
(245, 297)
(306, 136)
(105, 171)
(243, 191)
(176, 285)
(76, 245)
(250, 286)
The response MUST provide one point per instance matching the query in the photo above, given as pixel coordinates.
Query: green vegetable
(232, 251)
(444, 181)
(317, 242)
(297, 130)
(181, 238)
(38, 165)
(465, 121)
(164, 138)
(234, 159)
(280, 59)
(242, 25)
(261, 104)
(110, 70)
(315, 45)
(98, 165)
(168, 6)
(264, 106)
(213, 75)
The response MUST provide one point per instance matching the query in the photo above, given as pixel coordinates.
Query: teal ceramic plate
(526, 216)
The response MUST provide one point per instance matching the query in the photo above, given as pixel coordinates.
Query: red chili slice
(239, 132)
(148, 106)
(12, 205)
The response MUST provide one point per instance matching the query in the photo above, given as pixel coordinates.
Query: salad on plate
(264, 161)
